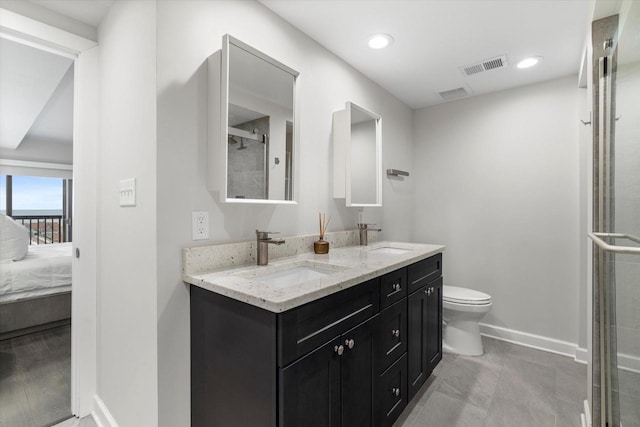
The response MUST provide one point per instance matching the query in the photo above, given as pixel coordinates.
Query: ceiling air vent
(486, 65)
(449, 95)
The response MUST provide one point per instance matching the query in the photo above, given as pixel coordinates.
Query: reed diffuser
(321, 246)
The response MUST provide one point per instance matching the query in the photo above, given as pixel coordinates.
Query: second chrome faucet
(364, 233)
(263, 241)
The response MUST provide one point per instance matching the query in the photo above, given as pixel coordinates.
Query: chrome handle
(395, 333)
(395, 391)
(339, 349)
(349, 343)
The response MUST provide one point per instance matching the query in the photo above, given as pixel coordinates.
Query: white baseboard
(628, 362)
(587, 414)
(582, 355)
(526, 339)
(101, 414)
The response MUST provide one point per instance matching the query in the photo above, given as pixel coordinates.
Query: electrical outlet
(199, 225)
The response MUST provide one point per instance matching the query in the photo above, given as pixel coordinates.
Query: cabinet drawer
(391, 393)
(391, 340)
(393, 287)
(425, 271)
(305, 328)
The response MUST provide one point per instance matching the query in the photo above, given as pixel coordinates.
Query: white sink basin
(289, 275)
(389, 250)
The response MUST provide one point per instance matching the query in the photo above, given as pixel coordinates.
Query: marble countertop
(347, 266)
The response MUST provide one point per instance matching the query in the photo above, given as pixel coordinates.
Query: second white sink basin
(289, 275)
(389, 250)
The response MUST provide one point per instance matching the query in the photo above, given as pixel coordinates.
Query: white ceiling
(55, 122)
(88, 11)
(435, 37)
(28, 79)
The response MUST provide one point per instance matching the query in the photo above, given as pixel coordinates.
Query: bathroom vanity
(349, 348)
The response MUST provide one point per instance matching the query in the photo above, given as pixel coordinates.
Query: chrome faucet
(263, 241)
(364, 233)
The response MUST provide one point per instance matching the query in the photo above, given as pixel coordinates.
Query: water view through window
(37, 203)
(32, 195)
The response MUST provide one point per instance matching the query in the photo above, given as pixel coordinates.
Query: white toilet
(462, 310)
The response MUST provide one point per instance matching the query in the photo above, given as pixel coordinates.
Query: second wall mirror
(254, 159)
(357, 154)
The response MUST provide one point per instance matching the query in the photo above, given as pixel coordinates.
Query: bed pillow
(14, 239)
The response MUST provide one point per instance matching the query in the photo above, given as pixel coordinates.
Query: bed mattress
(46, 270)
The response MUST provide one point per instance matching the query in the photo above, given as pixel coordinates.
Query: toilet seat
(464, 296)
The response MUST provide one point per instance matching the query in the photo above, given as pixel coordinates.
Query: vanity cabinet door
(309, 392)
(433, 328)
(417, 340)
(358, 375)
(424, 333)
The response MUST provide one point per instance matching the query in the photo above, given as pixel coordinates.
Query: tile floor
(509, 385)
(35, 378)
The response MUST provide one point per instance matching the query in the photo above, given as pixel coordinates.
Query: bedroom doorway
(36, 144)
(78, 340)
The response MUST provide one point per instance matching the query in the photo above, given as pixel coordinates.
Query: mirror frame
(342, 157)
(219, 120)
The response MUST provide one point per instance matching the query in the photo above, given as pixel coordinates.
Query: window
(42, 204)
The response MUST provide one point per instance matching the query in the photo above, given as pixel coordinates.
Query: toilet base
(462, 337)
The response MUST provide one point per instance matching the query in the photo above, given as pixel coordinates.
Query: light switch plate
(128, 192)
(200, 225)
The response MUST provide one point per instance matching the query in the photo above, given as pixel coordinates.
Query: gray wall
(325, 84)
(500, 190)
(127, 243)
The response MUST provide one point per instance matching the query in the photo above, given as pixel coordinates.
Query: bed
(35, 292)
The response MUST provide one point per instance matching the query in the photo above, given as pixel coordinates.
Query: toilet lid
(464, 296)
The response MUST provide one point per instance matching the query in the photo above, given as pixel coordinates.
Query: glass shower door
(616, 213)
(626, 184)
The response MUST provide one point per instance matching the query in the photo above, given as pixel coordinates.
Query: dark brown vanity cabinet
(344, 360)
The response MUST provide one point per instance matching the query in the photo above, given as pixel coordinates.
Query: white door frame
(83, 51)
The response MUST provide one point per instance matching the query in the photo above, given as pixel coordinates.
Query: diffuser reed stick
(324, 224)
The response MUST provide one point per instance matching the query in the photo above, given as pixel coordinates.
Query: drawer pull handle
(395, 391)
(339, 349)
(349, 343)
(395, 333)
(396, 286)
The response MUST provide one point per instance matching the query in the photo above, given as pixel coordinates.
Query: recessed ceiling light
(529, 62)
(378, 41)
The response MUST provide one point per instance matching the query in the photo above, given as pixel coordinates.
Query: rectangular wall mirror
(357, 151)
(253, 133)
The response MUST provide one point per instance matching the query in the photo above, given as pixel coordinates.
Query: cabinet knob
(428, 291)
(395, 333)
(396, 287)
(433, 289)
(349, 343)
(395, 391)
(339, 349)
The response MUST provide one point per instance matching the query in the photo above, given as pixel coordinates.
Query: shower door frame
(605, 405)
